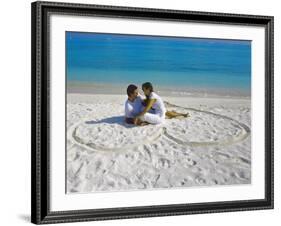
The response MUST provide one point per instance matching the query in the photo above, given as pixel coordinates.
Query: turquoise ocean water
(171, 63)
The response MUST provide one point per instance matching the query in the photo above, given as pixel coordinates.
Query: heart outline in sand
(78, 136)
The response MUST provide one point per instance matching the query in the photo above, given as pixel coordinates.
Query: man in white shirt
(133, 105)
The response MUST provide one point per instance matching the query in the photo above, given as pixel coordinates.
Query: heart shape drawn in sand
(203, 128)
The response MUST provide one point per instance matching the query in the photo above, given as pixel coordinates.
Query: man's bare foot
(143, 123)
(136, 121)
(139, 122)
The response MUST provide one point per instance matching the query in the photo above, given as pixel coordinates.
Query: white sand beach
(210, 148)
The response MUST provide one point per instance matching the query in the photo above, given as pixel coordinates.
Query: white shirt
(159, 105)
(133, 108)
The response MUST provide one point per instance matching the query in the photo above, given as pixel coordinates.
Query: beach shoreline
(81, 87)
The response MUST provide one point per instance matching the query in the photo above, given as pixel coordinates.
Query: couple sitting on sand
(149, 110)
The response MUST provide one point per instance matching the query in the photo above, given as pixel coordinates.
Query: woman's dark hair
(147, 85)
(131, 89)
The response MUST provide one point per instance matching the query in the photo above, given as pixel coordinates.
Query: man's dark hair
(131, 89)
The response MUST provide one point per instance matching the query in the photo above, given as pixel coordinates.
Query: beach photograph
(150, 112)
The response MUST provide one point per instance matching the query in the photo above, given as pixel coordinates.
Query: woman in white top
(155, 111)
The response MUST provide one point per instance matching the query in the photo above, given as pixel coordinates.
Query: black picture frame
(40, 208)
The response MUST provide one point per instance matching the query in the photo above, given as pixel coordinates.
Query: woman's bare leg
(173, 114)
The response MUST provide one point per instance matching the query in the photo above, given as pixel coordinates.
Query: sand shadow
(120, 120)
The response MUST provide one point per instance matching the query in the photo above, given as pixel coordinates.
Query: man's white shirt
(133, 108)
